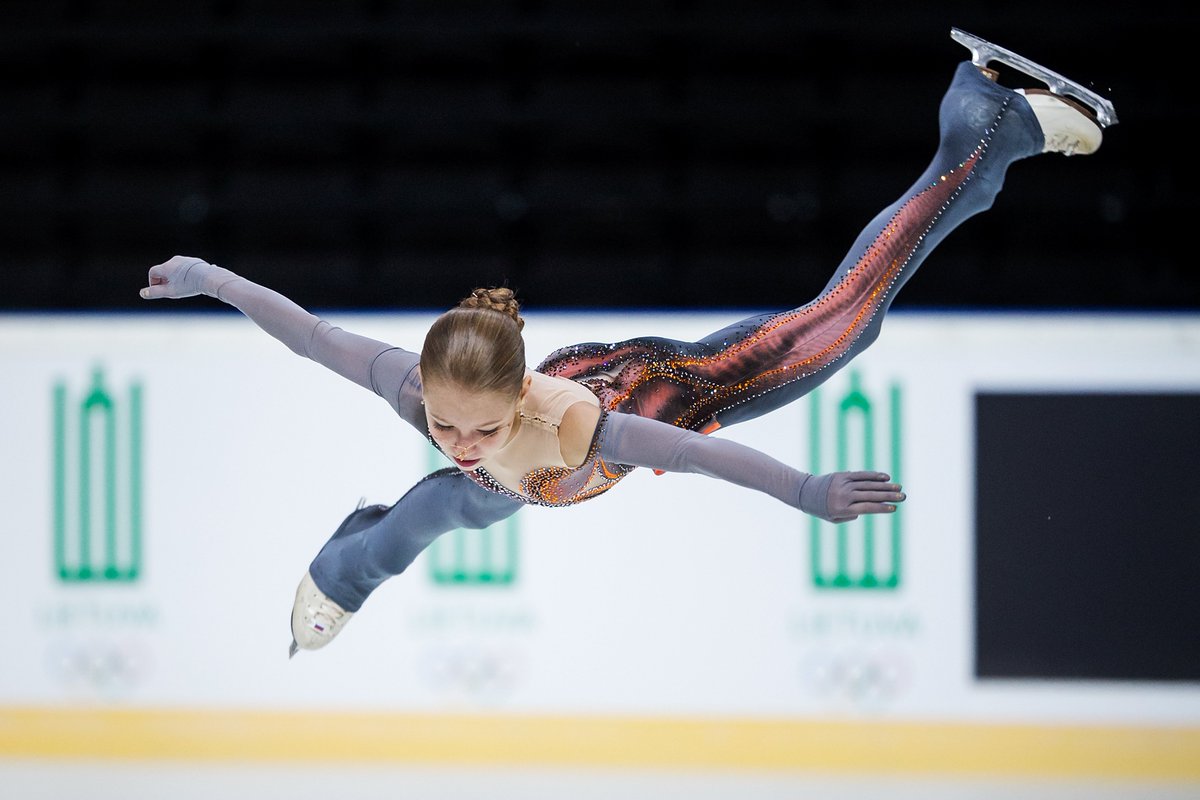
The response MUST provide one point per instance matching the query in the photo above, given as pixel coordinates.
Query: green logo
(865, 553)
(473, 557)
(98, 484)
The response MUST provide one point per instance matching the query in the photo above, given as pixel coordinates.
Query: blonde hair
(478, 345)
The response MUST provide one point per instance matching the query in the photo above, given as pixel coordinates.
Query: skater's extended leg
(767, 361)
(351, 565)
(377, 542)
(984, 129)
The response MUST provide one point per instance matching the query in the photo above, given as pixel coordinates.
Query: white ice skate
(315, 618)
(1071, 115)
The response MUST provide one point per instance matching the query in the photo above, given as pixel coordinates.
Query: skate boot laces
(324, 618)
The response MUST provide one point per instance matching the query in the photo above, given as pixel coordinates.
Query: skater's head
(473, 374)
(477, 346)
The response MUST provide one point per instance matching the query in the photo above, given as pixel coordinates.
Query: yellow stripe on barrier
(1129, 752)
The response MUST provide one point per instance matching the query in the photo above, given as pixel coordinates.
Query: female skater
(589, 414)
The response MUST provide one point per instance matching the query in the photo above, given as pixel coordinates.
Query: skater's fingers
(872, 508)
(174, 267)
(157, 283)
(155, 291)
(863, 475)
(862, 496)
(846, 495)
(178, 276)
(876, 486)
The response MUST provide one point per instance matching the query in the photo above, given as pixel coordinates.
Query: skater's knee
(480, 512)
(471, 519)
(868, 336)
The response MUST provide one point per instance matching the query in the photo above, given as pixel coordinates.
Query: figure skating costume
(737, 373)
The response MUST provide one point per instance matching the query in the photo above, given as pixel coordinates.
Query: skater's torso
(536, 442)
(531, 465)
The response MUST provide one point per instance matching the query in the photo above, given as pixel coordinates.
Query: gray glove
(836, 496)
(842, 496)
(184, 276)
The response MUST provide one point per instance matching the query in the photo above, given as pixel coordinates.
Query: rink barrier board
(1156, 753)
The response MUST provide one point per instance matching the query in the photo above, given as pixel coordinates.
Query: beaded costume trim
(556, 487)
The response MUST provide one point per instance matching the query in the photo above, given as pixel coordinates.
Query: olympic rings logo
(472, 672)
(866, 679)
(98, 667)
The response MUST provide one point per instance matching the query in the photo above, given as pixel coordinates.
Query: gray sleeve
(642, 442)
(388, 371)
(834, 496)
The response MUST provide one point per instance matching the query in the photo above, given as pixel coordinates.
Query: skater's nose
(463, 443)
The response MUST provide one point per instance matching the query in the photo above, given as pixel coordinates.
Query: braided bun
(472, 349)
(499, 299)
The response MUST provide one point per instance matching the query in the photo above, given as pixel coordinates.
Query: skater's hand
(184, 276)
(842, 496)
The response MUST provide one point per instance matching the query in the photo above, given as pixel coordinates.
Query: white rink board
(669, 595)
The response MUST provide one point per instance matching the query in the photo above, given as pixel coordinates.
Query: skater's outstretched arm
(386, 370)
(835, 496)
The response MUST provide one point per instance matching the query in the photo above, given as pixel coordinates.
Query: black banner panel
(1087, 536)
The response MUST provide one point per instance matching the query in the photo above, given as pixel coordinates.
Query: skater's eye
(488, 432)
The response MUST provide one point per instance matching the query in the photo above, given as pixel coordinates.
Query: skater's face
(470, 427)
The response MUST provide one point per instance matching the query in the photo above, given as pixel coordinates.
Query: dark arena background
(392, 155)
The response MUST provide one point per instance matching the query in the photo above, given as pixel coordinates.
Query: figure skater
(589, 414)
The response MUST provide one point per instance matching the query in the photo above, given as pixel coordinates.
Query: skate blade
(984, 52)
